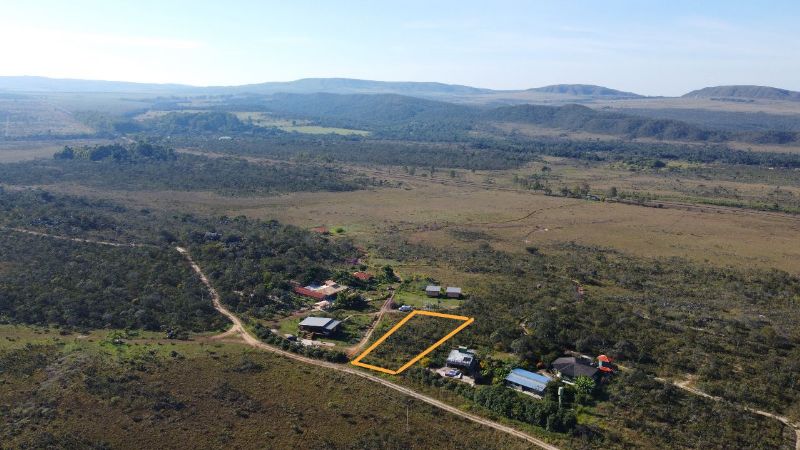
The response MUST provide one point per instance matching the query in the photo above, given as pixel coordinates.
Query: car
(453, 373)
(405, 308)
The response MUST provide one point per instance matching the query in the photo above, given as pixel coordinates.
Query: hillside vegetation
(745, 91)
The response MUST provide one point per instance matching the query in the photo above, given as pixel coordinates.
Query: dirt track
(238, 328)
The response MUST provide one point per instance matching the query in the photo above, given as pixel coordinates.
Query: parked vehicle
(453, 373)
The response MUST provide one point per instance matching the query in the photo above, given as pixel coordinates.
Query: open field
(515, 219)
(300, 126)
(15, 151)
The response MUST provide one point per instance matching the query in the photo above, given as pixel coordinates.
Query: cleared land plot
(397, 348)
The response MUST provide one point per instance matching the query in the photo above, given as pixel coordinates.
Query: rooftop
(574, 367)
(459, 356)
(453, 290)
(320, 322)
(530, 380)
(433, 288)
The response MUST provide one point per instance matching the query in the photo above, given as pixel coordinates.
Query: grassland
(299, 126)
(83, 391)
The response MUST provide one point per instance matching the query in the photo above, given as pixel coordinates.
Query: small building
(433, 290)
(462, 358)
(568, 368)
(526, 381)
(320, 325)
(363, 276)
(453, 292)
(306, 292)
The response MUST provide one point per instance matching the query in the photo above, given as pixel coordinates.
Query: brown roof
(363, 276)
(309, 293)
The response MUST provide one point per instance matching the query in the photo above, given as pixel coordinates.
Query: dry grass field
(423, 210)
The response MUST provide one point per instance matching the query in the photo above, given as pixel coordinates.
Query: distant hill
(354, 86)
(369, 111)
(585, 90)
(745, 91)
(581, 118)
(49, 85)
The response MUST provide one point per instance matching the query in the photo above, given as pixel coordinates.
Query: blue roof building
(526, 381)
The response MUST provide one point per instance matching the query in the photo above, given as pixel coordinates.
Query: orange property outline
(357, 361)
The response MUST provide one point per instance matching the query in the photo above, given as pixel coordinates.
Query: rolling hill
(585, 90)
(51, 85)
(745, 92)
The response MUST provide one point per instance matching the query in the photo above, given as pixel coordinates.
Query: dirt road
(73, 239)
(387, 305)
(254, 342)
(686, 386)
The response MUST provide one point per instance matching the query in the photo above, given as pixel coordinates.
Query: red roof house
(363, 276)
(309, 293)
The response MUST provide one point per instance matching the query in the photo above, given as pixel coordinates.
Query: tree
(612, 192)
(584, 387)
(389, 275)
(350, 301)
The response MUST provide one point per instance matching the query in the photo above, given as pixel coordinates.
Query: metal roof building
(527, 381)
(453, 291)
(433, 290)
(321, 325)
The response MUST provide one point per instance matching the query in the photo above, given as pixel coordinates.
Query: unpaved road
(254, 342)
(74, 239)
(686, 385)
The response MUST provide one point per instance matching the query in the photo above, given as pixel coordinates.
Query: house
(462, 358)
(525, 381)
(363, 276)
(568, 368)
(320, 325)
(453, 292)
(306, 292)
(433, 291)
(325, 291)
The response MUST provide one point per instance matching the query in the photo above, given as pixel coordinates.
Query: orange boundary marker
(357, 361)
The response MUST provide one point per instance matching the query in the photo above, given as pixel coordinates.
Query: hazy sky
(666, 48)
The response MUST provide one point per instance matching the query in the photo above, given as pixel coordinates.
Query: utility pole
(8, 118)
(408, 429)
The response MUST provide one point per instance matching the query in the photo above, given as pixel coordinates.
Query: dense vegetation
(667, 316)
(47, 281)
(253, 264)
(137, 152)
(102, 167)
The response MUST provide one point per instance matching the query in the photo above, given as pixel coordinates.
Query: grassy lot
(422, 301)
(300, 126)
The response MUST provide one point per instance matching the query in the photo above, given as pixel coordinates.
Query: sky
(652, 48)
